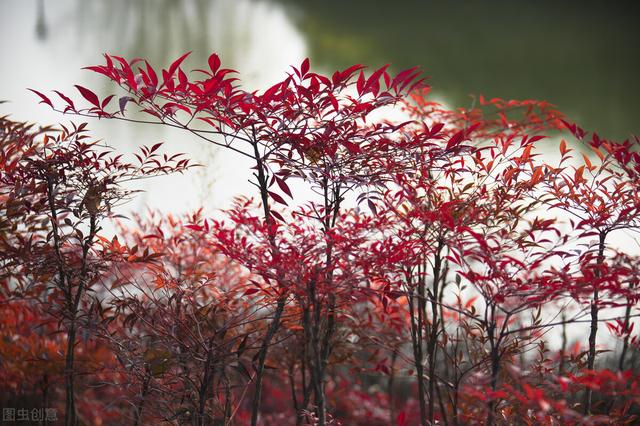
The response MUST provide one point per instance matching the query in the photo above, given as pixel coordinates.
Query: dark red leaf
(456, 139)
(174, 66)
(45, 99)
(88, 95)
(277, 215)
(283, 186)
(372, 206)
(214, 63)
(250, 291)
(66, 99)
(277, 198)
(360, 83)
(372, 81)
(304, 68)
(106, 101)
(152, 75)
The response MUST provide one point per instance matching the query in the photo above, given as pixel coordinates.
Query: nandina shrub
(415, 279)
(57, 189)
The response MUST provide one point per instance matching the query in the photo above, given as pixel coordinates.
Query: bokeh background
(582, 56)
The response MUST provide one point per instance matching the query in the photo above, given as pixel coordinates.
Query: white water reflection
(46, 43)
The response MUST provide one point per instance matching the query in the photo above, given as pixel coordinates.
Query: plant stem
(591, 357)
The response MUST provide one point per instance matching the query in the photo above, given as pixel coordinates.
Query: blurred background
(582, 56)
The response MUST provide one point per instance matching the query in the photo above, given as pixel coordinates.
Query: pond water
(582, 56)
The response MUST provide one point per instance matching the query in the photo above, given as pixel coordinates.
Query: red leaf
(563, 147)
(456, 139)
(334, 102)
(277, 198)
(249, 291)
(283, 186)
(88, 95)
(277, 216)
(470, 302)
(536, 138)
(167, 80)
(43, 97)
(174, 66)
(106, 101)
(349, 71)
(66, 99)
(100, 70)
(435, 129)
(360, 84)
(372, 81)
(587, 161)
(526, 154)
(173, 106)
(373, 207)
(214, 63)
(270, 92)
(403, 75)
(152, 75)
(304, 68)
(351, 147)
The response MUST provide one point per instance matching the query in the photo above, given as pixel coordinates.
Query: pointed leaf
(43, 98)
(214, 63)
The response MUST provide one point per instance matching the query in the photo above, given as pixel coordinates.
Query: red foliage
(417, 283)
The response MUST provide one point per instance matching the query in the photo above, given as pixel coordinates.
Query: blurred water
(582, 56)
